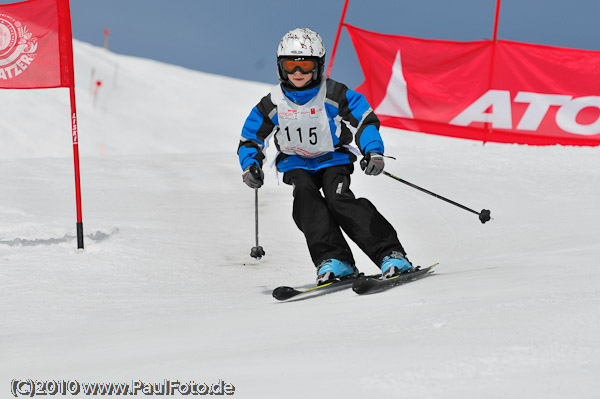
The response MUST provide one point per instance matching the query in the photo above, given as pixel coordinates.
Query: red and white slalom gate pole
(75, 135)
(337, 38)
(98, 85)
(67, 57)
(493, 61)
(496, 19)
(106, 35)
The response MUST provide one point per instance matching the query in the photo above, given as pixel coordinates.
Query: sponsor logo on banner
(396, 96)
(579, 115)
(576, 115)
(503, 91)
(17, 47)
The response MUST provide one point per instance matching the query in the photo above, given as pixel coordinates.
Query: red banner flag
(35, 45)
(506, 92)
(36, 52)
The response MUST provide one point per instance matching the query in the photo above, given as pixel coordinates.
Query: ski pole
(484, 215)
(257, 251)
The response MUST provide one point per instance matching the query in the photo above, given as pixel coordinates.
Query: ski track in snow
(166, 287)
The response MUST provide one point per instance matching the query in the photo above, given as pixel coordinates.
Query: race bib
(303, 129)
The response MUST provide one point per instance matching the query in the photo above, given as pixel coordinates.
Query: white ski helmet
(301, 44)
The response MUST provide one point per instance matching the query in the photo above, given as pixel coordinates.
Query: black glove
(372, 163)
(253, 176)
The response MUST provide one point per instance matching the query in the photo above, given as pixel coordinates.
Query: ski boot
(395, 263)
(331, 269)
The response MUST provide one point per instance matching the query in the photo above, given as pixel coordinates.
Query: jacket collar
(300, 96)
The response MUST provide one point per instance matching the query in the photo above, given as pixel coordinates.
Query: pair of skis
(361, 284)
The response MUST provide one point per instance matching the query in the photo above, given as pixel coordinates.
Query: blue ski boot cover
(395, 263)
(331, 269)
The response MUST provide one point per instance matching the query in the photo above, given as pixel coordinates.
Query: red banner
(506, 92)
(35, 45)
(36, 52)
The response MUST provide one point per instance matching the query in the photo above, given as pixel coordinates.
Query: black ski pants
(323, 217)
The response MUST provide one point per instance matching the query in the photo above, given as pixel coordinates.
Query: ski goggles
(304, 66)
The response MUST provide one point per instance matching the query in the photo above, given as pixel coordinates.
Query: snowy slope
(166, 288)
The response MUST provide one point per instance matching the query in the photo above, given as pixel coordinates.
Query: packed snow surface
(166, 288)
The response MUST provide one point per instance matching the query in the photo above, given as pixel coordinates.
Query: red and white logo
(502, 91)
(17, 47)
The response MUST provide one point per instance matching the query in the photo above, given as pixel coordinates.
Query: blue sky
(238, 38)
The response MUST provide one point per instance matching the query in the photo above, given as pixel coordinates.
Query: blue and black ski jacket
(349, 108)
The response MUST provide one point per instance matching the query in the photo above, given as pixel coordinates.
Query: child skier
(313, 120)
